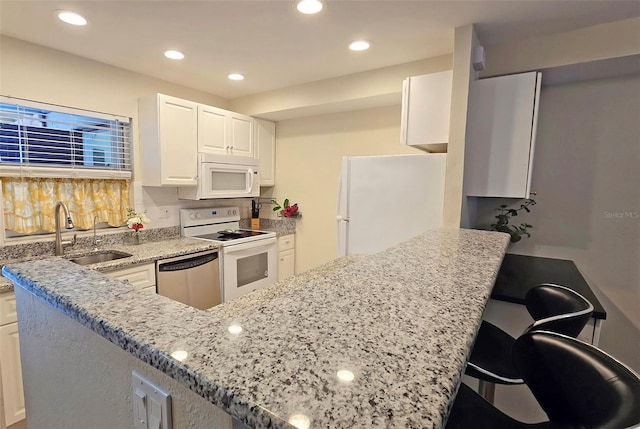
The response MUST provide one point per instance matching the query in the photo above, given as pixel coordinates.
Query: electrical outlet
(151, 405)
(164, 213)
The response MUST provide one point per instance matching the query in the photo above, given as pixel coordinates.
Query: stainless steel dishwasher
(191, 279)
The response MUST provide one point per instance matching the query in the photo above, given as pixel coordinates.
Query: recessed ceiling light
(359, 45)
(236, 76)
(71, 17)
(309, 7)
(174, 55)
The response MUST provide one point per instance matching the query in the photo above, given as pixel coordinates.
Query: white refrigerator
(384, 200)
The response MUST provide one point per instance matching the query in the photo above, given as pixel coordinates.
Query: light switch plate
(151, 404)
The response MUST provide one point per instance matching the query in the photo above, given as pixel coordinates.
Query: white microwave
(220, 179)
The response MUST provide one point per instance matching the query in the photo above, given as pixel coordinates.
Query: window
(52, 141)
(52, 153)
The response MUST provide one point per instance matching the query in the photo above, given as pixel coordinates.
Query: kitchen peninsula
(361, 342)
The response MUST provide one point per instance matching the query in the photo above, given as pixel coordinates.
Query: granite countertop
(143, 253)
(400, 322)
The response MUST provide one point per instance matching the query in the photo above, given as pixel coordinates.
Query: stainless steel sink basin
(95, 258)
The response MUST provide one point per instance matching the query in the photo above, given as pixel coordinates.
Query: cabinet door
(286, 264)
(241, 131)
(139, 276)
(212, 133)
(501, 130)
(265, 145)
(178, 133)
(8, 309)
(426, 105)
(11, 370)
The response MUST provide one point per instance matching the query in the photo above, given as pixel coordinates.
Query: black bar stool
(553, 307)
(576, 384)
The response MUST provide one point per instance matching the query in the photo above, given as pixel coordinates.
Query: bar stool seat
(553, 307)
(576, 384)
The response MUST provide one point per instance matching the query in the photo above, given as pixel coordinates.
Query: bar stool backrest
(577, 384)
(557, 308)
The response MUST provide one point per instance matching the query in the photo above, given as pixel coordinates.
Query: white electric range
(247, 257)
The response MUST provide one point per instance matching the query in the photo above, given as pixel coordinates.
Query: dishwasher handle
(185, 264)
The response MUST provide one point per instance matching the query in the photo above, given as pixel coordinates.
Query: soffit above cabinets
(276, 47)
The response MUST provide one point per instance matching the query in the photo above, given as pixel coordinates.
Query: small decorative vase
(136, 238)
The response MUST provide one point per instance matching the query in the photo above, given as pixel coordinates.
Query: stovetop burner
(229, 235)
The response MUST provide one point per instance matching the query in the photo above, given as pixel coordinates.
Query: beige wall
(37, 73)
(373, 88)
(598, 42)
(309, 152)
(586, 175)
(455, 208)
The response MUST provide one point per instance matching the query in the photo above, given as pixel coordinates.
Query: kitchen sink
(95, 258)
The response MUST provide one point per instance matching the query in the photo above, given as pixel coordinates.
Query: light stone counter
(401, 322)
(143, 253)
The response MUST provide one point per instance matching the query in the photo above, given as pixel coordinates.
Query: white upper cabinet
(426, 105)
(265, 145)
(168, 141)
(241, 134)
(501, 133)
(222, 132)
(212, 130)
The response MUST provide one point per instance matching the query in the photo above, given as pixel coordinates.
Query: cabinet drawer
(140, 276)
(8, 313)
(286, 242)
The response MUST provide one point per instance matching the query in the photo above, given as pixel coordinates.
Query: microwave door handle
(251, 179)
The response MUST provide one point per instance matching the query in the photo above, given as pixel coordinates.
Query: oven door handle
(252, 245)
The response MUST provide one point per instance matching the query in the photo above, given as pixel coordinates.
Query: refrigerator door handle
(341, 236)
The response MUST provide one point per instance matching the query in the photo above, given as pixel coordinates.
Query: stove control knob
(198, 215)
(235, 212)
(228, 212)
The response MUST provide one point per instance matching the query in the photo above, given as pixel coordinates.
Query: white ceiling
(274, 45)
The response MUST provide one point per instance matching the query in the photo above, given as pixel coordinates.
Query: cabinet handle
(534, 193)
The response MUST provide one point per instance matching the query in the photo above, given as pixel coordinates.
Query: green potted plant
(515, 231)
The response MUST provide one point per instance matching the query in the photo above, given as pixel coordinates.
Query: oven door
(247, 267)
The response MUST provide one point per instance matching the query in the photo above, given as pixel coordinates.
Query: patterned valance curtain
(29, 203)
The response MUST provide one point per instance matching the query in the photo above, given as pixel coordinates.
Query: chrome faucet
(96, 241)
(68, 225)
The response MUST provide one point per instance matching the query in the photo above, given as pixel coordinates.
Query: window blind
(43, 140)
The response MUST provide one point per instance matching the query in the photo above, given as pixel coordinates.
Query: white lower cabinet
(10, 366)
(141, 277)
(286, 257)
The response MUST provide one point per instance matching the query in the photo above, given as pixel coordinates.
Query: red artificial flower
(291, 211)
